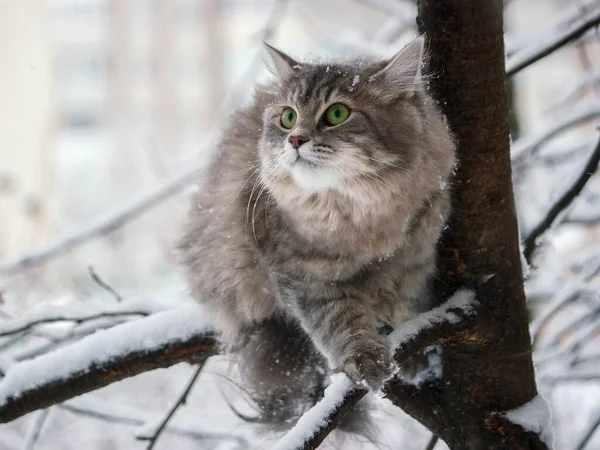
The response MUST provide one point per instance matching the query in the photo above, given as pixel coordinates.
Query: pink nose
(297, 141)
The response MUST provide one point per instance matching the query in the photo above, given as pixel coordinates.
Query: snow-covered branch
(128, 349)
(534, 417)
(169, 337)
(79, 312)
(447, 323)
(314, 426)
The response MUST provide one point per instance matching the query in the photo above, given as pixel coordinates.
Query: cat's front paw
(370, 363)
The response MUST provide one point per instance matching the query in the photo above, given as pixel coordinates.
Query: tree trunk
(492, 370)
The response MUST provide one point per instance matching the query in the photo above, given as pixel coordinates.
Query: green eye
(288, 118)
(336, 114)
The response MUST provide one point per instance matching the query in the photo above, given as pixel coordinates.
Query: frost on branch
(438, 325)
(82, 312)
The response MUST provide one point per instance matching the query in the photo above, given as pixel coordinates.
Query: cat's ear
(404, 70)
(278, 63)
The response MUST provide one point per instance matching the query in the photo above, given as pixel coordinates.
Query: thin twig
(554, 38)
(432, 442)
(568, 378)
(588, 436)
(179, 402)
(528, 146)
(65, 318)
(103, 284)
(104, 225)
(568, 294)
(590, 81)
(127, 415)
(36, 429)
(562, 203)
(173, 185)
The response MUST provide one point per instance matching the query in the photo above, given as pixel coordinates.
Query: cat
(314, 230)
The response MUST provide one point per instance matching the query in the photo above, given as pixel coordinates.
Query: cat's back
(218, 257)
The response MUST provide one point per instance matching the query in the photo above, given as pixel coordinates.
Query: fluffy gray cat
(314, 231)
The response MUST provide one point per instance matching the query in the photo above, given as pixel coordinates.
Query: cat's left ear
(278, 63)
(403, 71)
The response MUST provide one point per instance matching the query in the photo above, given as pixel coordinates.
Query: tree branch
(36, 429)
(316, 424)
(126, 350)
(130, 211)
(578, 22)
(526, 147)
(96, 408)
(191, 340)
(562, 203)
(157, 431)
(80, 312)
(104, 225)
(453, 321)
(582, 445)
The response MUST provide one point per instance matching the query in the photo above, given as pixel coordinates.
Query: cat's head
(337, 125)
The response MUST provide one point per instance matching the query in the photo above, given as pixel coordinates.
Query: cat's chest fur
(327, 238)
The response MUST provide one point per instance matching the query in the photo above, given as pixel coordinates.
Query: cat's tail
(285, 375)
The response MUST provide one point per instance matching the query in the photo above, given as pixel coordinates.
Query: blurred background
(109, 107)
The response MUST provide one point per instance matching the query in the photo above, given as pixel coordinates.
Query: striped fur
(332, 250)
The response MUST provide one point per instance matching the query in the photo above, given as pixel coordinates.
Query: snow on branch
(169, 337)
(125, 350)
(579, 20)
(80, 312)
(314, 426)
(534, 416)
(441, 325)
(444, 324)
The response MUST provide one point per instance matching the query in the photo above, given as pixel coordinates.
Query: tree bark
(490, 371)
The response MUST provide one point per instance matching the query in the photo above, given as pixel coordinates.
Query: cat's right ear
(278, 63)
(403, 71)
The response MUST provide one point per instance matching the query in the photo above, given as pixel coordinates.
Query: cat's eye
(288, 118)
(336, 114)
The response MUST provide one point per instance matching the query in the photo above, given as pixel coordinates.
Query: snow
(96, 407)
(137, 335)
(535, 416)
(525, 269)
(433, 371)
(82, 311)
(463, 300)
(317, 415)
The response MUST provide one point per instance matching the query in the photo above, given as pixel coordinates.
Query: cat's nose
(297, 141)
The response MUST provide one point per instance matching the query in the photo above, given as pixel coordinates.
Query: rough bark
(491, 369)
